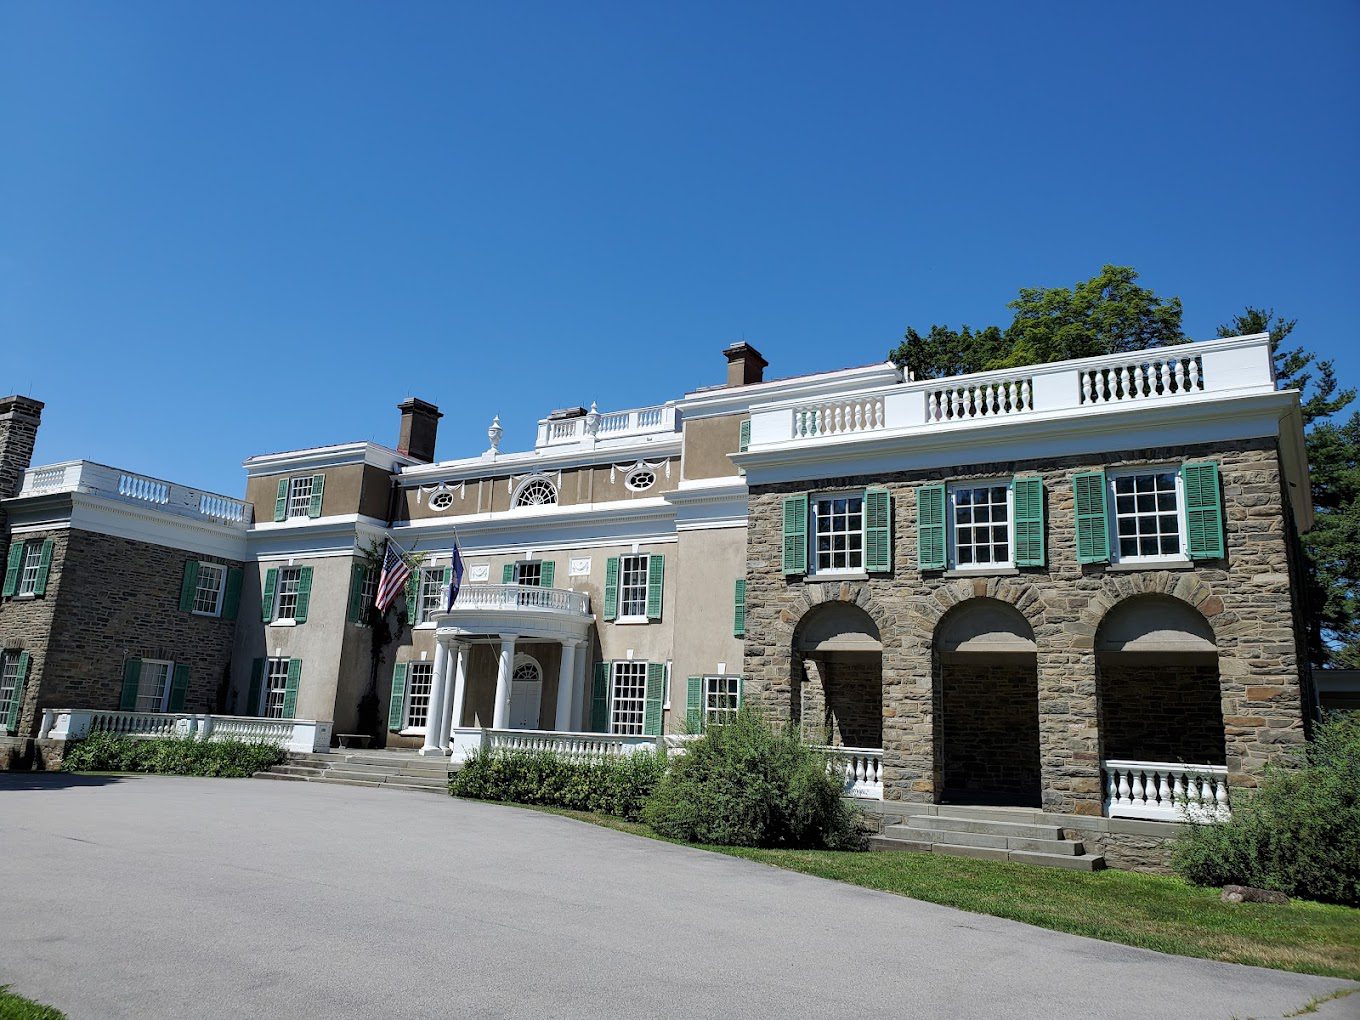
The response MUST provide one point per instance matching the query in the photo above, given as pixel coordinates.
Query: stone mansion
(1072, 587)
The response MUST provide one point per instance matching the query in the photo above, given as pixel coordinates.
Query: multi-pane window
(838, 533)
(979, 517)
(9, 678)
(721, 696)
(633, 588)
(529, 572)
(32, 563)
(286, 598)
(419, 682)
(275, 687)
(299, 496)
(629, 702)
(1147, 519)
(153, 685)
(208, 589)
(431, 588)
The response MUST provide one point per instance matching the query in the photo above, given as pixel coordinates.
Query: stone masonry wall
(842, 701)
(1167, 712)
(988, 731)
(26, 625)
(1246, 597)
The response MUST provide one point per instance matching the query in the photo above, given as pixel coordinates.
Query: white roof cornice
(530, 461)
(735, 399)
(320, 457)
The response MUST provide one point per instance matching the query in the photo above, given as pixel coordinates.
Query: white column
(436, 706)
(580, 695)
(501, 719)
(566, 682)
(453, 693)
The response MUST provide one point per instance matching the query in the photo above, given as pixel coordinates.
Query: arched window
(536, 491)
(527, 669)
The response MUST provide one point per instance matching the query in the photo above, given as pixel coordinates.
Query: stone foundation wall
(1246, 597)
(988, 732)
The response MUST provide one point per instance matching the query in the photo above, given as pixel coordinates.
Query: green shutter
(413, 598)
(878, 531)
(44, 567)
(694, 704)
(318, 487)
(354, 612)
(547, 574)
(9, 714)
(611, 588)
(396, 706)
(304, 598)
(1093, 536)
(1203, 511)
(256, 685)
(231, 602)
(271, 582)
(290, 689)
(508, 574)
(739, 608)
(655, 697)
(132, 673)
(281, 500)
(1028, 496)
(599, 699)
(179, 687)
(795, 534)
(12, 567)
(188, 587)
(930, 529)
(656, 581)
(744, 438)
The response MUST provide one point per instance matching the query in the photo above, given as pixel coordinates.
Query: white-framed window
(32, 563)
(1147, 515)
(529, 572)
(212, 579)
(633, 588)
(722, 696)
(536, 492)
(428, 596)
(980, 526)
(368, 591)
(640, 479)
(837, 531)
(286, 597)
(419, 683)
(441, 500)
(299, 496)
(628, 704)
(153, 685)
(275, 687)
(9, 678)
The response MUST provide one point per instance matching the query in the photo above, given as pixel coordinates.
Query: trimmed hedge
(615, 786)
(171, 756)
(1298, 833)
(745, 783)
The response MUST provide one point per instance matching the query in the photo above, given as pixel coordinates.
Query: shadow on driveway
(53, 780)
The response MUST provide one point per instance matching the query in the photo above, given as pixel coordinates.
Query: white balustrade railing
(566, 429)
(581, 746)
(989, 398)
(1137, 377)
(1166, 791)
(141, 487)
(606, 425)
(47, 478)
(78, 723)
(128, 486)
(522, 596)
(837, 417)
(860, 770)
(223, 508)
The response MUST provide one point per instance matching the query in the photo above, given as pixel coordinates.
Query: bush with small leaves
(171, 756)
(609, 785)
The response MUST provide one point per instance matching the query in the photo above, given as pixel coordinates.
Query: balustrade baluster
(1163, 789)
(1138, 794)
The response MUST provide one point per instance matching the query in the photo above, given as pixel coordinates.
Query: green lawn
(1151, 911)
(16, 1007)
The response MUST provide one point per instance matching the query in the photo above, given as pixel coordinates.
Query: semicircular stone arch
(1188, 589)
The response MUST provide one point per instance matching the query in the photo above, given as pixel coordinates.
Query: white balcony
(523, 609)
(595, 427)
(84, 476)
(292, 734)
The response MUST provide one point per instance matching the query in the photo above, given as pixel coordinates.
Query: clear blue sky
(235, 228)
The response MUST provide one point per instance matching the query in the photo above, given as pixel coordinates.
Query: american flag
(395, 571)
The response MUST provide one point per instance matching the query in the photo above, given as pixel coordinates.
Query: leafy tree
(1332, 548)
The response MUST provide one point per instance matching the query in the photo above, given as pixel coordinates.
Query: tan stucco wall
(708, 441)
(352, 488)
(710, 563)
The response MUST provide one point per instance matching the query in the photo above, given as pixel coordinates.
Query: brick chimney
(744, 364)
(419, 423)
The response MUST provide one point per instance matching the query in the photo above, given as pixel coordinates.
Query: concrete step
(981, 853)
(1026, 815)
(301, 771)
(914, 834)
(346, 782)
(948, 823)
(1077, 862)
(278, 775)
(890, 843)
(414, 785)
(417, 782)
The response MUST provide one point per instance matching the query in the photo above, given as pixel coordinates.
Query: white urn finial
(592, 420)
(494, 433)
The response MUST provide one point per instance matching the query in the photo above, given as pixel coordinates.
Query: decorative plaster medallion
(578, 566)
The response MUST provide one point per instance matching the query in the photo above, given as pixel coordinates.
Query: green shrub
(171, 756)
(746, 784)
(614, 786)
(1298, 833)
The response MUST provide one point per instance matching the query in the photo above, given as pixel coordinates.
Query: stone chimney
(744, 364)
(19, 420)
(419, 423)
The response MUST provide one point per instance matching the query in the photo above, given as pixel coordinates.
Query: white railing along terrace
(78, 723)
(129, 487)
(579, 746)
(1230, 366)
(606, 425)
(860, 770)
(1166, 791)
(522, 596)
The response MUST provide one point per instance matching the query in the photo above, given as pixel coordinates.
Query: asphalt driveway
(162, 897)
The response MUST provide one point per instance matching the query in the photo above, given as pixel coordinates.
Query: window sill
(211, 616)
(838, 575)
(982, 572)
(631, 621)
(1129, 568)
(427, 625)
(283, 623)
(24, 596)
(412, 731)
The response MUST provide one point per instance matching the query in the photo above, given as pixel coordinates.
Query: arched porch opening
(838, 675)
(986, 700)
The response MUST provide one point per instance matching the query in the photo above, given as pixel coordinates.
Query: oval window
(640, 480)
(441, 500)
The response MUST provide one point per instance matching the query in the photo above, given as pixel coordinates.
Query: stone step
(990, 813)
(414, 785)
(301, 771)
(345, 782)
(891, 843)
(948, 823)
(1077, 862)
(278, 775)
(914, 834)
(417, 782)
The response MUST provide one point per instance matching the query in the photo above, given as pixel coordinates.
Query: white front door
(525, 696)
